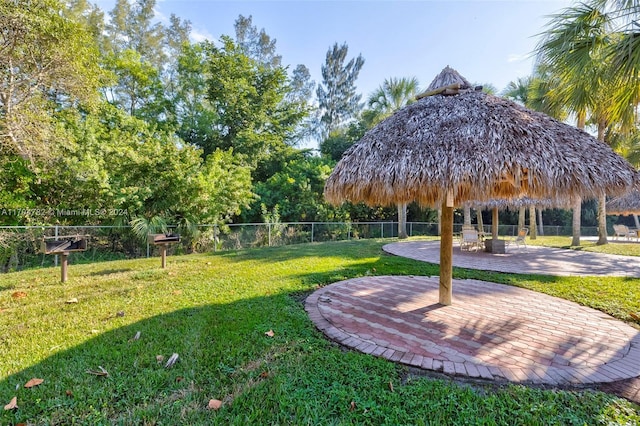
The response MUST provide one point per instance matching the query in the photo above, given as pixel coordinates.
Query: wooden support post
(163, 249)
(446, 255)
(63, 268)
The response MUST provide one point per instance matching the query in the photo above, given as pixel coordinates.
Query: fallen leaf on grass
(136, 337)
(120, 314)
(72, 300)
(352, 406)
(102, 372)
(264, 374)
(214, 404)
(69, 393)
(269, 333)
(634, 316)
(179, 379)
(171, 361)
(33, 382)
(176, 292)
(159, 358)
(19, 295)
(13, 404)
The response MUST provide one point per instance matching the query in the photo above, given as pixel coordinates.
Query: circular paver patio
(491, 331)
(530, 260)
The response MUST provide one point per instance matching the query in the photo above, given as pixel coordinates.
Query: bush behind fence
(20, 245)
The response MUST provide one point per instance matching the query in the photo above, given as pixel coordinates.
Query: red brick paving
(491, 331)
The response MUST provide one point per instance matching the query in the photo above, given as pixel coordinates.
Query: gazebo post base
(446, 255)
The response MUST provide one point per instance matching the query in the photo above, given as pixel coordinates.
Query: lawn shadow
(222, 352)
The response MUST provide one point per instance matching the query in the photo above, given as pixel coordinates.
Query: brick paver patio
(530, 260)
(491, 331)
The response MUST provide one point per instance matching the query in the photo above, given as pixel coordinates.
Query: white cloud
(517, 57)
(198, 35)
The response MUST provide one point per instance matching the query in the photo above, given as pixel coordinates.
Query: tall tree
(139, 90)
(142, 53)
(194, 114)
(337, 98)
(260, 47)
(256, 44)
(132, 27)
(573, 50)
(249, 101)
(45, 58)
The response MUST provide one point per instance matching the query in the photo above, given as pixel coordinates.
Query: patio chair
(470, 240)
(521, 239)
(624, 231)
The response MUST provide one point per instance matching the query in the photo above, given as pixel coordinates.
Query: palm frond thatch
(475, 146)
(447, 77)
(517, 203)
(625, 205)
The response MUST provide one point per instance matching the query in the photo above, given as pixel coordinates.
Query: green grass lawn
(213, 310)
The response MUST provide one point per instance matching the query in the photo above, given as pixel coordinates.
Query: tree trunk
(521, 218)
(540, 223)
(494, 223)
(577, 210)
(602, 201)
(533, 232)
(440, 221)
(467, 216)
(402, 221)
(602, 220)
(479, 219)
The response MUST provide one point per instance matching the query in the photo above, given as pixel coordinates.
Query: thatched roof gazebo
(458, 144)
(625, 205)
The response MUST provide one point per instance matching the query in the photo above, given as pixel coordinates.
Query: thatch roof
(516, 203)
(474, 146)
(626, 204)
(447, 77)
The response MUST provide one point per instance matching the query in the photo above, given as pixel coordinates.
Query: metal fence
(20, 245)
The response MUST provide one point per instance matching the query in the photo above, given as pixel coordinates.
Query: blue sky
(486, 41)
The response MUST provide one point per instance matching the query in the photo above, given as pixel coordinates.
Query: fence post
(269, 226)
(411, 229)
(381, 229)
(311, 231)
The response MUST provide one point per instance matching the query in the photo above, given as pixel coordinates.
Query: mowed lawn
(237, 322)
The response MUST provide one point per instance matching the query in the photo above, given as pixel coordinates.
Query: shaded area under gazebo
(535, 338)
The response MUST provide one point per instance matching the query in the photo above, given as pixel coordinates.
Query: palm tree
(518, 91)
(574, 51)
(393, 94)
